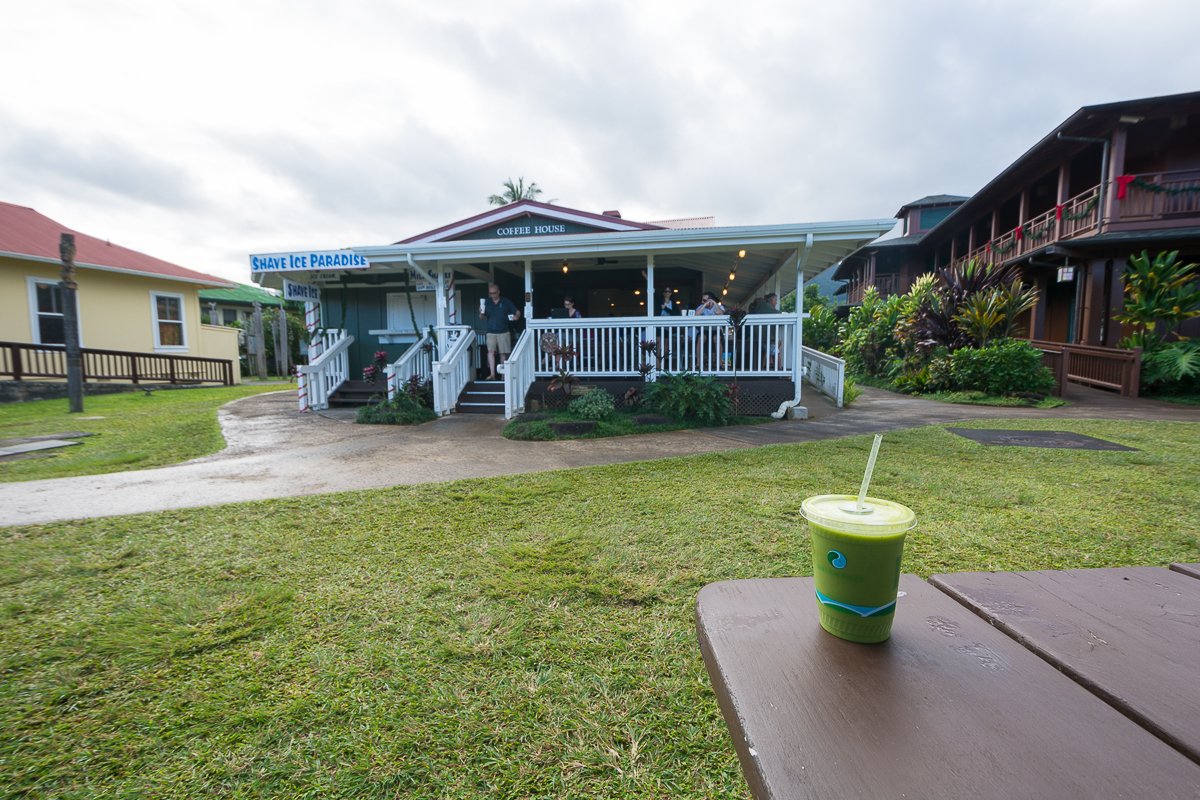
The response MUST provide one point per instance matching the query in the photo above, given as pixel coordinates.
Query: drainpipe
(1100, 208)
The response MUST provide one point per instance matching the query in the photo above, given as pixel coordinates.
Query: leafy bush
(419, 390)
(821, 329)
(1173, 368)
(850, 391)
(403, 410)
(687, 396)
(869, 343)
(1006, 366)
(595, 404)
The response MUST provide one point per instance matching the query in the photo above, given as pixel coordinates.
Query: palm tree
(514, 191)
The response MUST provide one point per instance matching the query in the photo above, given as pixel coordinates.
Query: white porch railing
(453, 371)
(416, 361)
(519, 373)
(824, 372)
(327, 372)
(613, 347)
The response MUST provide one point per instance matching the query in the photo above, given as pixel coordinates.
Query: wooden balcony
(1078, 216)
(1159, 198)
(886, 285)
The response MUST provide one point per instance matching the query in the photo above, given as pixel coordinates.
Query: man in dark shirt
(500, 312)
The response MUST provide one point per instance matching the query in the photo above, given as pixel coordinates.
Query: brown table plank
(1130, 634)
(949, 707)
(1192, 570)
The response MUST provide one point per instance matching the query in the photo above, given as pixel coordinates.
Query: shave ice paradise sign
(311, 260)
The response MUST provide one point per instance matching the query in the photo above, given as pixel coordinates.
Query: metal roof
(242, 294)
(26, 234)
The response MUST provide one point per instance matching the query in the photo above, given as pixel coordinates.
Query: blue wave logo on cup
(836, 559)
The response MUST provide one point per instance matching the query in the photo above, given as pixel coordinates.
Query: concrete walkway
(275, 452)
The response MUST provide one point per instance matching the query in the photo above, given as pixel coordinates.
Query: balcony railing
(1153, 196)
(1078, 216)
(886, 285)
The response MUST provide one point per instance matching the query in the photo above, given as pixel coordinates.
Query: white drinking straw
(862, 492)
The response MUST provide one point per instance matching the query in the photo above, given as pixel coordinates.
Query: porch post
(441, 308)
(798, 349)
(651, 297)
(528, 309)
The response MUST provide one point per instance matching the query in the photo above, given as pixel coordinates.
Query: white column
(441, 308)
(651, 297)
(798, 350)
(528, 312)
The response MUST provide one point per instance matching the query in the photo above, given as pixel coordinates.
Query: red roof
(25, 232)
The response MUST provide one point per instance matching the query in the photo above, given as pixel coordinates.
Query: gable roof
(26, 234)
(521, 208)
(932, 200)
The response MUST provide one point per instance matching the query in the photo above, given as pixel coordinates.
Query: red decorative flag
(1058, 211)
(1123, 182)
(1018, 232)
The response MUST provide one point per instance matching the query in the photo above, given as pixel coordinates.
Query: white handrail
(614, 346)
(328, 371)
(518, 374)
(452, 372)
(416, 361)
(825, 372)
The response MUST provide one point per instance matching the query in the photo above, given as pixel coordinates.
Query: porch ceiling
(710, 251)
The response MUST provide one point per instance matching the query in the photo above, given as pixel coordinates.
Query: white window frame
(159, 347)
(32, 282)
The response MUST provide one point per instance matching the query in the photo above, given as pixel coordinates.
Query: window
(168, 321)
(46, 311)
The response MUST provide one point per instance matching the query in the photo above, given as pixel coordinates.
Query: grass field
(131, 430)
(529, 636)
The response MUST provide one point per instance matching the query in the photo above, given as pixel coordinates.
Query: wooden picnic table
(949, 707)
(1130, 635)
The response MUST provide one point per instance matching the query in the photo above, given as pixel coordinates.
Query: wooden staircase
(482, 397)
(352, 394)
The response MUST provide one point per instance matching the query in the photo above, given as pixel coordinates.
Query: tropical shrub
(594, 404)
(1173, 368)
(402, 410)
(1007, 366)
(821, 329)
(1159, 295)
(869, 342)
(687, 396)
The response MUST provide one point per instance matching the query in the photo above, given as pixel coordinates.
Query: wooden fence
(1102, 367)
(22, 362)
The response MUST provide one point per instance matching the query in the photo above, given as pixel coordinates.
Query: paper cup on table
(482, 304)
(856, 562)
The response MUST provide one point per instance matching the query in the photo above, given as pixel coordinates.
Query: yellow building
(127, 301)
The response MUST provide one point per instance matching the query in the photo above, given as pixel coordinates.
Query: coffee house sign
(528, 226)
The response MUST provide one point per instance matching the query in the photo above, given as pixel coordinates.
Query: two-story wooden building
(1110, 181)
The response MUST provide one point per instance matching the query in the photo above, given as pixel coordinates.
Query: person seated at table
(709, 340)
(569, 305)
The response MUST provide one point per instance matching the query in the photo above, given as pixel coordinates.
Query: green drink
(856, 562)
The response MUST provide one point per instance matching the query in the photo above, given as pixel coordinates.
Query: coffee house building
(417, 300)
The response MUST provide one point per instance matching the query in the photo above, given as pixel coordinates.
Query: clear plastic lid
(840, 511)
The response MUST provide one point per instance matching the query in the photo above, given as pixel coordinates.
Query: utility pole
(66, 250)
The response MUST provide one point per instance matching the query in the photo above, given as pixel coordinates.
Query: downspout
(792, 408)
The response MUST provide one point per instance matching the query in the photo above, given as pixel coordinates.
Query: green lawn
(528, 636)
(134, 430)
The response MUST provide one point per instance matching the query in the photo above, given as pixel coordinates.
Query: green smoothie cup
(856, 562)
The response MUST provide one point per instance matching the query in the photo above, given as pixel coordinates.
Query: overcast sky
(200, 132)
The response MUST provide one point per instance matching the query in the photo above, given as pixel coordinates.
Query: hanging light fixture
(637, 292)
(565, 267)
(741, 253)
(732, 275)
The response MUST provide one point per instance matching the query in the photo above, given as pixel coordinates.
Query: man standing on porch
(500, 313)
